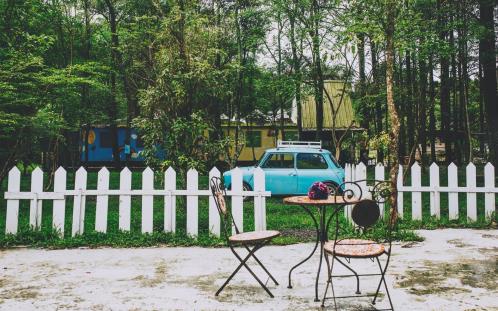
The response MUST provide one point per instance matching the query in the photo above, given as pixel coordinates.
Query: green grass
(295, 224)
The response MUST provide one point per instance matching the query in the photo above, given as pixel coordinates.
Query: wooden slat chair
(254, 239)
(365, 214)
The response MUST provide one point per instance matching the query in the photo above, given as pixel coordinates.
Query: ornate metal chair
(254, 239)
(365, 214)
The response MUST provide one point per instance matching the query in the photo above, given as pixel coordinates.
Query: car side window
(311, 161)
(279, 160)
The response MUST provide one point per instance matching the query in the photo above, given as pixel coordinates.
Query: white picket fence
(359, 172)
(80, 192)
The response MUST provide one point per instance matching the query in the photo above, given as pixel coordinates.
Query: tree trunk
(317, 70)
(393, 114)
(444, 89)
(432, 113)
(113, 106)
(487, 56)
(296, 67)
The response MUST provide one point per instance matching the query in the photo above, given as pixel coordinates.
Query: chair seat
(253, 236)
(355, 248)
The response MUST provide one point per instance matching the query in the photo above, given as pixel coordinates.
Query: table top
(331, 200)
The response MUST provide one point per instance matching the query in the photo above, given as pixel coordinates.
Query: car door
(280, 173)
(310, 167)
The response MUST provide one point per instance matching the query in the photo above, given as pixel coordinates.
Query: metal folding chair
(251, 241)
(365, 214)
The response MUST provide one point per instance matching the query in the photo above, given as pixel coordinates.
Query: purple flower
(318, 191)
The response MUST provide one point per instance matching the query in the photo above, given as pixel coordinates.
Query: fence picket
(380, 176)
(102, 201)
(59, 209)
(214, 216)
(79, 202)
(147, 201)
(399, 185)
(348, 178)
(435, 200)
(192, 203)
(237, 200)
(453, 196)
(259, 201)
(125, 200)
(35, 206)
(471, 196)
(170, 201)
(416, 195)
(361, 174)
(14, 185)
(489, 197)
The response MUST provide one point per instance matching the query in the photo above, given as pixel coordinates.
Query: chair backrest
(219, 194)
(366, 212)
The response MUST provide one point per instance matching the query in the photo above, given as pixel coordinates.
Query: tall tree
(487, 56)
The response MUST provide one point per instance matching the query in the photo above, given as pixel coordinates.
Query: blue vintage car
(292, 167)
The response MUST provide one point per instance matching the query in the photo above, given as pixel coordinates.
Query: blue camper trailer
(98, 140)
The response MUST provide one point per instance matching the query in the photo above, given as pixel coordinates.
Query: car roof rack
(299, 144)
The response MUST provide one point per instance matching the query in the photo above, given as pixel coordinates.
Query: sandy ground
(451, 270)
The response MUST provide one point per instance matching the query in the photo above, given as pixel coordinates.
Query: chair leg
(329, 275)
(262, 266)
(233, 273)
(356, 275)
(243, 264)
(383, 280)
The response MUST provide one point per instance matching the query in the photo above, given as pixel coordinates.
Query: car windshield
(331, 157)
(260, 161)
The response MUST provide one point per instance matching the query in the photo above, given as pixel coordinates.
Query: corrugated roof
(345, 113)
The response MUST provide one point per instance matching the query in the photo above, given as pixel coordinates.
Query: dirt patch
(23, 293)
(159, 276)
(434, 278)
(459, 243)
(301, 234)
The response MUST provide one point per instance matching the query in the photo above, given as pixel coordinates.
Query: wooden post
(147, 201)
(102, 201)
(14, 185)
(192, 203)
(170, 201)
(35, 206)
(214, 216)
(125, 200)
(59, 209)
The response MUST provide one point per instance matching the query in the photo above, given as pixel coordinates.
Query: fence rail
(359, 172)
(80, 192)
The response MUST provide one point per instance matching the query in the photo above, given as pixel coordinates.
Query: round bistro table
(334, 202)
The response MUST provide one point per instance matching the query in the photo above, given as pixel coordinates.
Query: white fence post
(147, 201)
(361, 174)
(192, 203)
(214, 216)
(14, 185)
(170, 201)
(471, 196)
(125, 200)
(416, 195)
(434, 195)
(380, 176)
(237, 200)
(489, 197)
(259, 201)
(101, 208)
(348, 177)
(35, 206)
(399, 185)
(453, 196)
(59, 209)
(79, 202)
